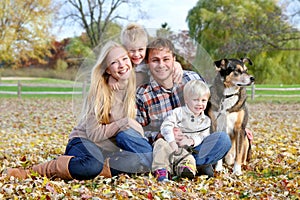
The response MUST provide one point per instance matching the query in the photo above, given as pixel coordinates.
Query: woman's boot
(57, 168)
(106, 169)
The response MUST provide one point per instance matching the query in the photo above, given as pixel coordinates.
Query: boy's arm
(178, 72)
(198, 138)
(169, 123)
(113, 83)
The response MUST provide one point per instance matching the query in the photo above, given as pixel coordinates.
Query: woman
(107, 130)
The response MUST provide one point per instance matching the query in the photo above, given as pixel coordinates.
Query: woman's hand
(127, 123)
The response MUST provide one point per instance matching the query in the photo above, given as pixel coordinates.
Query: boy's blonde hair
(100, 96)
(195, 87)
(134, 33)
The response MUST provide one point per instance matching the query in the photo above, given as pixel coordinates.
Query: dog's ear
(221, 64)
(245, 60)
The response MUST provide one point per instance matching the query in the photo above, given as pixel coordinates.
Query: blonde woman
(107, 138)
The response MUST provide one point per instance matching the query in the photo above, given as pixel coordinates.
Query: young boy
(194, 125)
(135, 39)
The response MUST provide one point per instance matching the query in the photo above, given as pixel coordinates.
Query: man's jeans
(213, 148)
(87, 163)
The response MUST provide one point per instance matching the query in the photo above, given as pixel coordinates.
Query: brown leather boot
(18, 173)
(55, 168)
(106, 169)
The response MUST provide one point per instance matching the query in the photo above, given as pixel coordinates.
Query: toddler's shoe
(161, 174)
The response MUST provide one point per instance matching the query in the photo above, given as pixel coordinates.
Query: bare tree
(95, 16)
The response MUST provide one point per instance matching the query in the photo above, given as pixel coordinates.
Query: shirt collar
(188, 111)
(157, 88)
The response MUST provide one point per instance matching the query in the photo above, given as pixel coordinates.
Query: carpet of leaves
(36, 130)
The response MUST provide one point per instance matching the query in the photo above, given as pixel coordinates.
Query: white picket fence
(81, 90)
(21, 92)
(254, 89)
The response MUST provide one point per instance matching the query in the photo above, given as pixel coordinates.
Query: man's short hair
(160, 43)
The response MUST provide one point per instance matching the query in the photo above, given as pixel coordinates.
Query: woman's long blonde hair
(100, 96)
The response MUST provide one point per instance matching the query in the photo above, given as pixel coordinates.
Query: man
(156, 100)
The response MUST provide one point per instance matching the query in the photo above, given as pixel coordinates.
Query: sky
(174, 12)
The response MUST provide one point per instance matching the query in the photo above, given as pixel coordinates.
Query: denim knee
(85, 168)
(213, 148)
(225, 141)
(132, 141)
(88, 160)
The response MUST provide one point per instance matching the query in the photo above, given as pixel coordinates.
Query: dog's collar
(231, 95)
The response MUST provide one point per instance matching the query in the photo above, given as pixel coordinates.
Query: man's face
(161, 64)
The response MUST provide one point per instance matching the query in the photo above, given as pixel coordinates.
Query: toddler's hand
(178, 134)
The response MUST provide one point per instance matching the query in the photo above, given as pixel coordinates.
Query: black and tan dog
(228, 111)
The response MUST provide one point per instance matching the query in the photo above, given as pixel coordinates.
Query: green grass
(284, 98)
(258, 98)
(39, 88)
(38, 80)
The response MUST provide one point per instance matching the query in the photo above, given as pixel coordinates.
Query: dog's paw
(237, 169)
(219, 166)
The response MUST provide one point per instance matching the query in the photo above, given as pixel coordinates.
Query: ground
(36, 130)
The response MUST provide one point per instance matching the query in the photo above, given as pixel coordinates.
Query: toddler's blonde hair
(195, 88)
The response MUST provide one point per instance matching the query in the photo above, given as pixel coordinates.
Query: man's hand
(249, 135)
(186, 142)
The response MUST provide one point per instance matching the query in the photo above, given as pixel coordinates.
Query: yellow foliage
(25, 30)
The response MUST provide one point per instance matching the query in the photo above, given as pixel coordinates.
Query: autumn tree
(25, 30)
(97, 16)
(261, 30)
(239, 27)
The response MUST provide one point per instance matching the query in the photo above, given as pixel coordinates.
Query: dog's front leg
(241, 152)
(237, 169)
(219, 166)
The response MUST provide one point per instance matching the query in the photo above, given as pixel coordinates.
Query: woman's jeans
(87, 163)
(213, 148)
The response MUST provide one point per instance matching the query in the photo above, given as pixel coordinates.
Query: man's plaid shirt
(154, 102)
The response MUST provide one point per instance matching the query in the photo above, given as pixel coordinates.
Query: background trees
(261, 30)
(25, 31)
(257, 29)
(98, 17)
